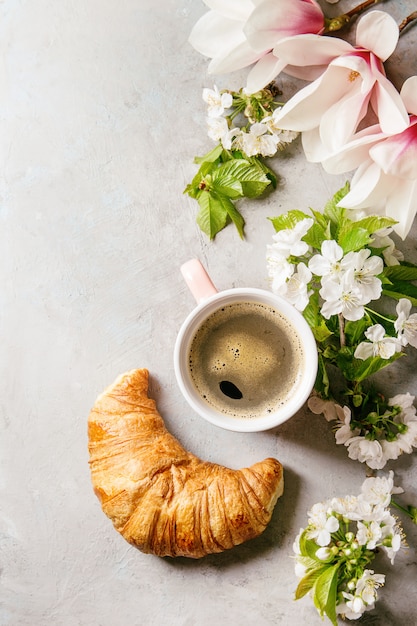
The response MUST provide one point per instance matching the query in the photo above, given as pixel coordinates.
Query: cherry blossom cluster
(333, 286)
(334, 552)
(347, 84)
(258, 136)
(383, 437)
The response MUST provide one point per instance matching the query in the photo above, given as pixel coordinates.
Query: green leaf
(316, 235)
(233, 214)
(211, 156)
(319, 218)
(226, 185)
(321, 333)
(194, 188)
(308, 581)
(325, 593)
(272, 177)
(322, 384)
(401, 289)
(212, 216)
(352, 238)
(288, 220)
(241, 177)
(335, 213)
(354, 331)
(308, 547)
(357, 369)
(311, 312)
(374, 223)
(401, 272)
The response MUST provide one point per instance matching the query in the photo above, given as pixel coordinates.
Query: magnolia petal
(351, 155)
(409, 94)
(377, 31)
(313, 147)
(234, 9)
(212, 30)
(272, 21)
(231, 60)
(310, 50)
(339, 123)
(402, 205)
(305, 109)
(398, 155)
(389, 107)
(263, 72)
(362, 187)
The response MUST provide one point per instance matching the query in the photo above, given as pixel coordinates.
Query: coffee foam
(256, 349)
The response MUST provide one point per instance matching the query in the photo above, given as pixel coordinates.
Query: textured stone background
(100, 118)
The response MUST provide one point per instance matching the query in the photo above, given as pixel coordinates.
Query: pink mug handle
(197, 280)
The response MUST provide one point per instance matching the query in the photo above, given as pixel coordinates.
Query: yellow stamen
(353, 76)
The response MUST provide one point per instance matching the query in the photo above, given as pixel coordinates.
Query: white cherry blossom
(344, 431)
(216, 102)
(259, 141)
(378, 345)
(382, 240)
(366, 451)
(406, 324)
(288, 241)
(218, 128)
(343, 297)
(295, 290)
(278, 267)
(366, 268)
(321, 523)
(328, 263)
(377, 490)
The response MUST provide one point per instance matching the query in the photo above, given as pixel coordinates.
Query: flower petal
(213, 33)
(389, 107)
(398, 155)
(272, 21)
(310, 49)
(377, 31)
(352, 154)
(230, 60)
(402, 205)
(363, 183)
(234, 9)
(409, 94)
(263, 72)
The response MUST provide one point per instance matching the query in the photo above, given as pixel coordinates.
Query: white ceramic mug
(302, 348)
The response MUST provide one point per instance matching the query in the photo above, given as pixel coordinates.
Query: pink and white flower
(329, 110)
(385, 181)
(239, 33)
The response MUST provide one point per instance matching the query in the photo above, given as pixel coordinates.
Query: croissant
(161, 498)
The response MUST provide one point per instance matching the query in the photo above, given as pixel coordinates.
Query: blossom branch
(336, 23)
(410, 18)
(342, 331)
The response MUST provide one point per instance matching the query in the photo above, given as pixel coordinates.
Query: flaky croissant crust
(162, 498)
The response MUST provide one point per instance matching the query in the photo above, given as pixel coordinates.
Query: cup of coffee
(245, 359)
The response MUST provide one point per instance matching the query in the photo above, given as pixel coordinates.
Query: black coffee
(246, 360)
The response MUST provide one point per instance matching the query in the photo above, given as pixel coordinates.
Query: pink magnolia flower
(352, 79)
(238, 33)
(385, 181)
